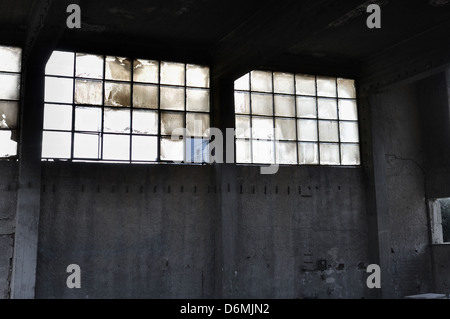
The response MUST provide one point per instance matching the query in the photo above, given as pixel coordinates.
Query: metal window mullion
(296, 122)
(102, 133)
(185, 117)
(159, 137)
(273, 121)
(338, 122)
(72, 131)
(250, 94)
(131, 109)
(317, 120)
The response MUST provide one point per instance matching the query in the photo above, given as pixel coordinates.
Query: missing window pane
(346, 88)
(117, 68)
(89, 66)
(86, 146)
(243, 151)
(262, 128)
(116, 147)
(117, 94)
(263, 152)
(328, 131)
(286, 152)
(349, 132)
(197, 124)
(305, 84)
(262, 104)
(308, 153)
(242, 103)
(243, 83)
(8, 144)
(172, 150)
(172, 98)
(56, 144)
(170, 121)
(116, 120)
(286, 129)
(329, 154)
(9, 86)
(307, 130)
(197, 150)
(197, 100)
(283, 83)
(350, 154)
(172, 73)
(145, 148)
(88, 119)
(60, 63)
(145, 71)
(327, 109)
(57, 117)
(197, 76)
(8, 114)
(261, 81)
(306, 107)
(10, 59)
(58, 90)
(145, 96)
(348, 110)
(326, 86)
(284, 105)
(88, 92)
(145, 122)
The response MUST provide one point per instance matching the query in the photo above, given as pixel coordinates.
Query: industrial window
(10, 68)
(286, 118)
(108, 108)
(440, 220)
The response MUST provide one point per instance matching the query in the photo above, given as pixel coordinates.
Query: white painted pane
(170, 121)
(349, 132)
(116, 147)
(146, 71)
(172, 98)
(56, 144)
(284, 105)
(329, 154)
(57, 117)
(9, 111)
(197, 100)
(262, 128)
(89, 66)
(197, 124)
(88, 92)
(197, 76)
(262, 104)
(243, 151)
(328, 131)
(58, 90)
(261, 81)
(117, 120)
(305, 84)
(283, 83)
(350, 154)
(327, 109)
(172, 150)
(86, 146)
(243, 83)
(348, 110)
(286, 152)
(60, 63)
(243, 126)
(306, 107)
(145, 148)
(285, 129)
(8, 144)
(263, 152)
(326, 86)
(241, 103)
(118, 68)
(88, 119)
(308, 153)
(10, 59)
(307, 130)
(117, 94)
(145, 122)
(346, 88)
(172, 73)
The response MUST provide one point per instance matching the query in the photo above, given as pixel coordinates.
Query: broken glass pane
(57, 117)
(118, 68)
(116, 120)
(349, 132)
(346, 88)
(88, 119)
(145, 122)
(197, 100)
(350, 154)
(243, 126)
(117, 94)
(197, 124)
(145, 96)
(172, 150)
(8, 114)
(58, 90)
(261, 81)
(60, 63)
(326, 86)
(328, 131)
(307, 130)
(243, 152)
(263, 152)
(329, 154)
(284, 105)
(86, 146)
(116, 147)
(327, 109)
(243, 83)
(56, 144)
(88, 92)
(306, 107)
(305, 84)
(144, 148)
(10, 59)
(308, 153)
(172, 73)
(241, 103)
(197, 76)
(172, 98)
(89, 66)
(9, 86)
(286, 152)
(348, 110)
(262, 104)
(262, 127)
(171, 121)
(146, 71)
(283, 83)
(8, 146)
(285, 129)
(197, 150)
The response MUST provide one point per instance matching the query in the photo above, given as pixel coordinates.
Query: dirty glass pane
(261, 81)
(243, 83)
(89, 66)
(146, 71)
(145, 96)
(283, 83)
(197, 150)
(305, 84)
(58, 90)
(348, 110)
(118, 68)
(327, 109)
(350, 154)
(57, 117)
(86, 146)
(197, 100)
(306, 107)
(328, 131)
(326, 86)
(88, 92)
(284, 105)
(8, 114)
(172, 73)
(10, 59)
(172, 98)
(307, 130)
(144, 148)
(8, 147)
(116, 147)
(197, 76)
(172, 150)
(329, 154)
(308, 153)
(9, 86)
(243, 126)
(56, 144)
(286, 152)
(243, 153)
(88, 119)
(349, 132)
(171, 121)
(197, 124)
(285, 129)
(116, 120)
(346, 88)
(241, 103)
(262, 128)
(262, 104)
(263, 152)
(145, 122)
(117, 94)
(60, 63)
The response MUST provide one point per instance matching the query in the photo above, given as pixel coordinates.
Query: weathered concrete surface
(441, 268)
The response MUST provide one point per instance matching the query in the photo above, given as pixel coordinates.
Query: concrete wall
(441, 267)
